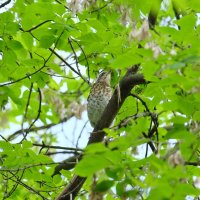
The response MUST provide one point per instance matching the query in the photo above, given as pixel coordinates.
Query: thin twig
(26, 186)
(60, 152)
(37, 117)
(88, 68)
(80, 134)
(150, 143)
(75, 55)
(5, 184)
(29, 166)
(37, 26)
(26, 109)
(20, 79)
(3, 138)
(60, 76)
(153, 119)
(153, 115)
(39, 109)
(5, 3)
(15, 186)
(63, 5)
(105, 5)
(56, 147)
(125, 121)
(68, 65)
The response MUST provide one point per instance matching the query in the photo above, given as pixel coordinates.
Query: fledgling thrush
(99, 97)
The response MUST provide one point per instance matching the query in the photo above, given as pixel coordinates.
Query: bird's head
(104, 77)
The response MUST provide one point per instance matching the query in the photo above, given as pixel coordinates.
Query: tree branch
(130, 80)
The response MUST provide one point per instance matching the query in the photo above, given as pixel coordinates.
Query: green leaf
(96, 148)
(28, 40)
(90, 164)
(14, 44)
(179, 132)
(196, 115)
(41, 79)
(120, 188)
(9, 57)
(6, 146)
(103, 186)
(57, 179)
(27, 144)
(114, 173)
(127, 59)
(46, 41)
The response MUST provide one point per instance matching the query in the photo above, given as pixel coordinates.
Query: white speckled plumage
(99, 97)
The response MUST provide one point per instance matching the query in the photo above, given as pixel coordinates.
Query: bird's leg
(118, 94)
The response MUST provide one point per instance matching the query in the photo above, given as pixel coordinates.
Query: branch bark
(130, 80)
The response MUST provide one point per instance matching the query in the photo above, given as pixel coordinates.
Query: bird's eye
(102, 73)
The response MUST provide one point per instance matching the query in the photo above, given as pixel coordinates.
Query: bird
(99, 96)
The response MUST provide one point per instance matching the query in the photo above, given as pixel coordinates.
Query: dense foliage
(50, 53)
